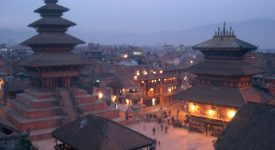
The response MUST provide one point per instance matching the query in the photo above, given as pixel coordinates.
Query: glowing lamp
(100, 95)
(1, 83)
(113, 99)
(211, 112)
(192, 107)
(145, 72)
(125, 56)
(154, 101)
(128, 102)
(231, 114)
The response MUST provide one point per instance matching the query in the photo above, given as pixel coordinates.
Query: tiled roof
(97, 133)
(43, 59)
(52, 38)
(251, 129)
(51, 7)
(223, 42)
(52, 21)
(225, 96)
(225, 67)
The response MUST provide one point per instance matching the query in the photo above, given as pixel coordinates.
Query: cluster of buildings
(72, 94)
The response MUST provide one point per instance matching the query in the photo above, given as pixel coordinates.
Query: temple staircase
(68, 105)
(43, 111)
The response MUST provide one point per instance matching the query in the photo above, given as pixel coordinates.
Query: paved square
(176, 138)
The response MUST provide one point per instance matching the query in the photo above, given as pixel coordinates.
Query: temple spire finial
(51, 1)
(224, 30)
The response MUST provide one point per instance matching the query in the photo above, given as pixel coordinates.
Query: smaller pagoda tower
(223, 81)
(52, 64)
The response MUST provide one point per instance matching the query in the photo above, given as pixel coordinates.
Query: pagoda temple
(223, 82)
(53, 98)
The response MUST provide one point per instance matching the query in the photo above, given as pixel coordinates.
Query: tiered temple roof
(225, 67)
(52, 40)
(224, 45)
(223, 96)
(224, 77)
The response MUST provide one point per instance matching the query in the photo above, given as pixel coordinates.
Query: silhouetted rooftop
(252, 128)
(97, 133)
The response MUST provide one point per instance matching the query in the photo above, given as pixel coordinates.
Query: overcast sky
(139, 15)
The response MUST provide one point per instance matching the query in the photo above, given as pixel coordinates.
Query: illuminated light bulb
(211, 112)
(128, 102)
(113, 99)
(100, 95)
(154, 101)
(145, 72)
(125, 56)
(192, 107)
(231, 114)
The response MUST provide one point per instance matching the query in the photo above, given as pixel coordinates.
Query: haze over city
(141, 21)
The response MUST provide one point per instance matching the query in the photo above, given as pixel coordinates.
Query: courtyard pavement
(175, 138)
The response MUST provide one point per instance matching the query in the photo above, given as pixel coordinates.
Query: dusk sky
(139, 15)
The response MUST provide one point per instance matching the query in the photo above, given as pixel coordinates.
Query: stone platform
(43, 111)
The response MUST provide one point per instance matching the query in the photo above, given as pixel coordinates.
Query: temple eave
(53, 38)
(53, 21)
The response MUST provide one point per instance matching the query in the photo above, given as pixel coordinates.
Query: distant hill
(260, 32)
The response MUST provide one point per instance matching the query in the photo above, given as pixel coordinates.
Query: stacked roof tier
(224, 45)
(51, 28)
